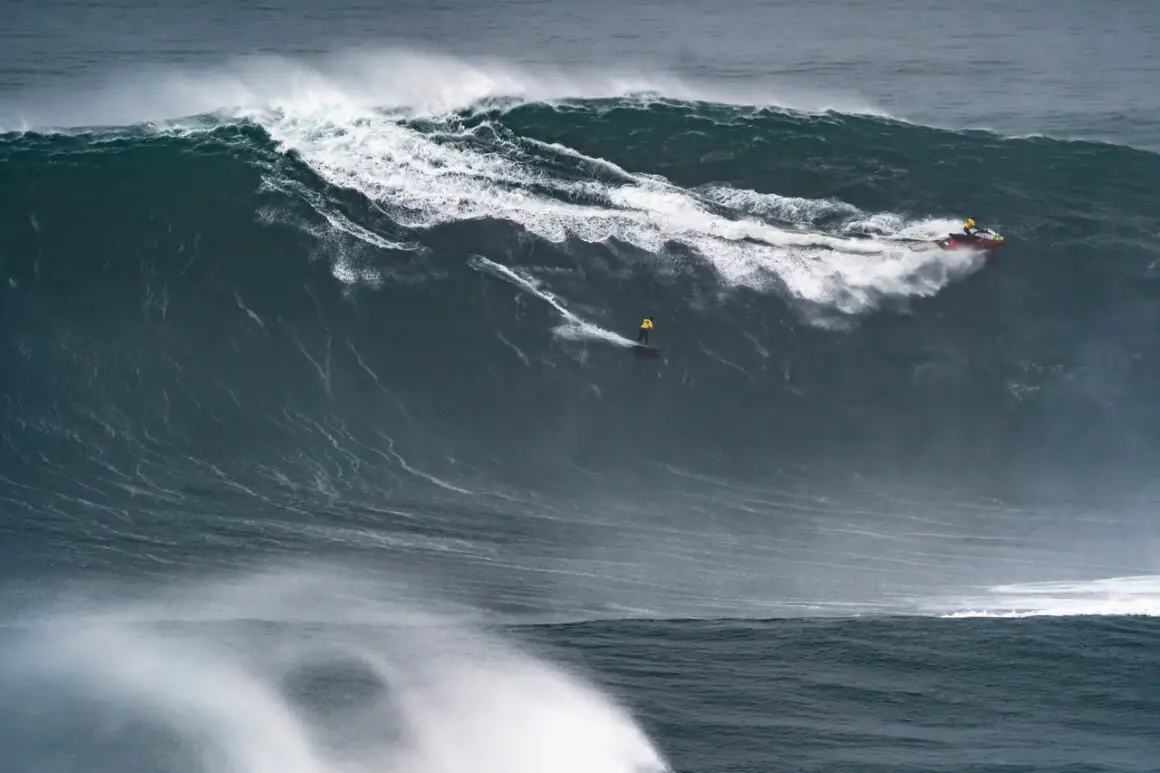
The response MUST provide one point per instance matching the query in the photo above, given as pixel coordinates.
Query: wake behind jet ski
(971, 238)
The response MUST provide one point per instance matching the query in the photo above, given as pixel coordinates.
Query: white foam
(436, 695)
(1111, 596)
(425, 180)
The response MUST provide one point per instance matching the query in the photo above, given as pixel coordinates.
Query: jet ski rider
(970, 230)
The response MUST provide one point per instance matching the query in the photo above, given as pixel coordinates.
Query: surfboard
(645, 349)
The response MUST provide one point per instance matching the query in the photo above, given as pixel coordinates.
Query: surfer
(646, 325)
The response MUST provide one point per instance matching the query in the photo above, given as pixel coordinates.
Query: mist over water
(402, 79)
(299, 670)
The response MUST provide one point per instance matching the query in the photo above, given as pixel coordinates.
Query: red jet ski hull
(984, 243)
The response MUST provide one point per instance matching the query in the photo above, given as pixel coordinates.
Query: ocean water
(324, 446)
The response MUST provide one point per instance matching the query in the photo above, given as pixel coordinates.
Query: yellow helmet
(970, 222)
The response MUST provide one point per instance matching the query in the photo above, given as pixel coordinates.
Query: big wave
(306, 298)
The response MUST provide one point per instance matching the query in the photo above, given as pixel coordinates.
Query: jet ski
(984, 239)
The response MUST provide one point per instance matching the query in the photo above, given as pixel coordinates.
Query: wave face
(228, 324)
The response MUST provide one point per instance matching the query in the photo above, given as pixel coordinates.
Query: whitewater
(241, 670)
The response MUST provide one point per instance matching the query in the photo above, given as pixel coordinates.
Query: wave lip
(403, 79)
